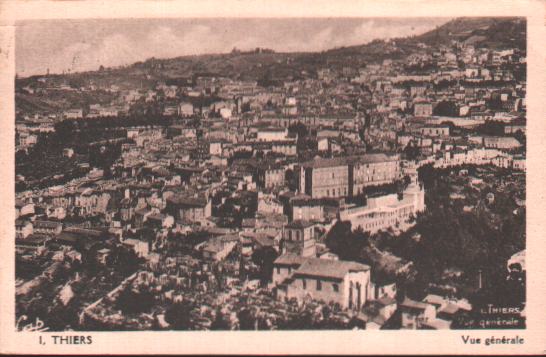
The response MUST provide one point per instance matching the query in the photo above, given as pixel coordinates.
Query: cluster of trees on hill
(96, 142)
(445, 238)
(66, 129)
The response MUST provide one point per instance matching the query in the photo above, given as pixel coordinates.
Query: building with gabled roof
(343, 282)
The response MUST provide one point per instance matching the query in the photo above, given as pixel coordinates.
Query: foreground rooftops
(413, 305)
(336, 269)
(289, 259)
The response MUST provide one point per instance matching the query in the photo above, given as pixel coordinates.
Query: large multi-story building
(309, 209)
(435, 130)
(374, 170)
(271, 134)
(341, 177)
(189, 209)
(423, 109)
(185, 109)
(387, 211)
(325, 178)
(270, 176)
(501, 142)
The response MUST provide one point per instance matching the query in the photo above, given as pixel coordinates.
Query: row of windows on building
(296, 236)
(361, 172)
(289, 270)
(374, 171)
(402, 212)
(335, 287)
(360, 179)
(340, 192)
(381, 222)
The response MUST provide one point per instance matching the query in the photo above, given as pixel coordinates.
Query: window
(319, 285)
(278, 270)
(304, 282)
(336, 287)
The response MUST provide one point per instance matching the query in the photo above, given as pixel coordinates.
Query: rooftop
(289, 259)
(336, 269)
(188, 201)
(413, 305)
(341, 161)
(299, 224)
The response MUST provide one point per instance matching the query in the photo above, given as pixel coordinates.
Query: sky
(82, 45)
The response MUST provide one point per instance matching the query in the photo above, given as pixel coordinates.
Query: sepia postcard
(273, 177)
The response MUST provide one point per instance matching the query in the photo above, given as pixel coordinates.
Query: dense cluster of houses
(276, 167)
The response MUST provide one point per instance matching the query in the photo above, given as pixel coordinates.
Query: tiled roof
(341, 161)
(289, 259)
(299, 224)
(415, 305)
(326, 268)
(321, 162)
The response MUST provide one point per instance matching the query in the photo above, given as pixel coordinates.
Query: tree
(338, 234)
(242, 269)
(291, 179)
(344, 242)
(491, 128)
(135, 302)
(520, 136)
(247, 320)
(264, 258)
(179, 317)
(220, 322)
(411, 151)
(298, 128)
(446, 108)
(64, 129)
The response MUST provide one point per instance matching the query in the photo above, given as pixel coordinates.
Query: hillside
(270, 68)
(481, 31)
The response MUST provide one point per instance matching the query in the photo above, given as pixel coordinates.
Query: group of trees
(67, 128)
(446, 237)
(264, 258)
(496, 128)
(131, 301)
(452, 238)
(298, 128)
(446, 108)
(179, 317)
(345, 242)
(235, 209)
(96, 142)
